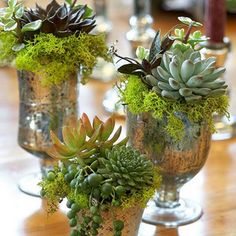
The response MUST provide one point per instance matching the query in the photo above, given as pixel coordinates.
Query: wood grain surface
(214, 187)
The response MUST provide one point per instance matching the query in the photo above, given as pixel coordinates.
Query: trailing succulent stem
(96, 175)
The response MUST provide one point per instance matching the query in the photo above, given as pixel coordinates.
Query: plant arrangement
(55, 42)
(97, 174)
(172, 77)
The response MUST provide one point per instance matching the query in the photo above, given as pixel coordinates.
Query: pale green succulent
(184, 75)
(126, 167)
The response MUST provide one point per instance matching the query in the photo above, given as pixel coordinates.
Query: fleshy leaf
(12, 3)
(32, 26)
(18, 47)
(10, 26)
(156, 46)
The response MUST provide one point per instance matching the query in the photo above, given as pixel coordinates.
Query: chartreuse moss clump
(97, 174)
(139, 100)
(56, 59)
(7, 41)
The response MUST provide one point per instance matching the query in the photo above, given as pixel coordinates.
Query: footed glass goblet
(178, 162)
(42, 108)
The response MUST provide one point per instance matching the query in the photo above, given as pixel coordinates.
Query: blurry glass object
(103, 71)
(141, 33)
(225, 127)
(42, 108)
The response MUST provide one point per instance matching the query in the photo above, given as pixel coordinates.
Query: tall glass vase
(41, 109)
(178, 161)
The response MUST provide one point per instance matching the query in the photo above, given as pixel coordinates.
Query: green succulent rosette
(172, 76)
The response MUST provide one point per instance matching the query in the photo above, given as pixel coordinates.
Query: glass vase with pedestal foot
(178, 162)
(41, 109)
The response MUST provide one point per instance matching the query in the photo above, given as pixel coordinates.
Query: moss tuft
(139, 99)
(137, 88)
(56, 59)
(81, 199)
(142, 197)
(7, 41)
(54, 190)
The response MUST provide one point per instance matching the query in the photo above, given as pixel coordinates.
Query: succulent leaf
(87, 125)
(187, 70)
(59, 20)
(184, 75)
(81, 140)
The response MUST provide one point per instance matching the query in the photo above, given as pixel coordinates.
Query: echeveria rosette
(184, 75)
(97, 181)
(172, 77)
(126, 167)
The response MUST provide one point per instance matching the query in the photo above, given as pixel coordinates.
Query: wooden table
(214, 187)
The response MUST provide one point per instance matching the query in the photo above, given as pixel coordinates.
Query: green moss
(56, 59)
(55, 190)
(81, 199)
(142, 197)
(7, 41)
(137, 88)
(139, 99)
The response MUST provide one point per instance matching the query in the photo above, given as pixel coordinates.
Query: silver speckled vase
(178, 161)
(41, 109)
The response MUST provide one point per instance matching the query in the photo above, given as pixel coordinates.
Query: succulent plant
(83, 139)
(126, 167)
(185, 75)
(173, 66)
(59, 20)
(117, 173)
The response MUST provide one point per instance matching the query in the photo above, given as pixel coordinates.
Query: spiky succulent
(126, 167)
(59, 20)
(184, 75)
(82, 140)
(114, 177)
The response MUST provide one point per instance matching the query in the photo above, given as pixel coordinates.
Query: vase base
(187, 212)
(29, 184)
(111, 103)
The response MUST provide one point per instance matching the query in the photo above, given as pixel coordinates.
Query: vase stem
(167, 198)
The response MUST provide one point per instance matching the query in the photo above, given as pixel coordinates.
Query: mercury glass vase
(178, 161)
(41, 109)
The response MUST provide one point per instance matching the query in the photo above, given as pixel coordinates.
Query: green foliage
(54, 189)
(143, 196)
(7, 41)
(61, 20)
(134, 94)
(56, 59)
(94, 181)
(149, 101)
(11, 21)
(80, 198)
